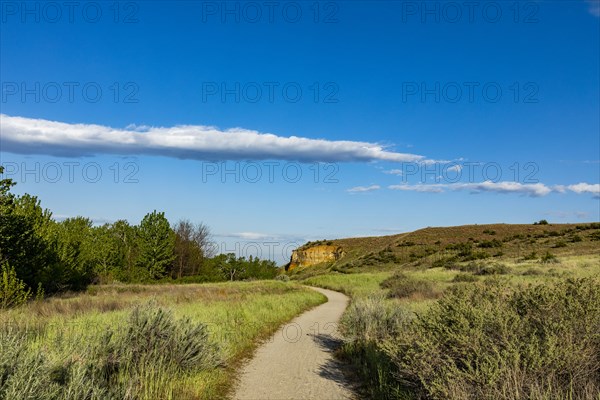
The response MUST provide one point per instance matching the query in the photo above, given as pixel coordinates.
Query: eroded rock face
(313, 255)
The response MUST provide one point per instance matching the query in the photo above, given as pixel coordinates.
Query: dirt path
(297, 362)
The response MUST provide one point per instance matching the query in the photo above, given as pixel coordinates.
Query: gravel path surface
(297, 362)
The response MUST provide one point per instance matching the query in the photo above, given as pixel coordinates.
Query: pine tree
(156, 244)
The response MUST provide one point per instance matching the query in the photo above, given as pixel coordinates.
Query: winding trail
(298, 361)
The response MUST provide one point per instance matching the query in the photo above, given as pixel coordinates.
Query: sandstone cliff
(317, 254)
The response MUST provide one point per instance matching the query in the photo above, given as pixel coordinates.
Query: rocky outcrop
(307, 256)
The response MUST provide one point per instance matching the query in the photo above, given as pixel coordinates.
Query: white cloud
(594, 7)
(533, 190)
(432, 188)
(568, 214)
(393, 172)
(363, 189)
(456, 168)
(252, 236)
(582, 187)
(39, 136)
(529, 189)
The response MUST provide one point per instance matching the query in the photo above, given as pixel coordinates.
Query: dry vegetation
(141, 341)
(472, 312)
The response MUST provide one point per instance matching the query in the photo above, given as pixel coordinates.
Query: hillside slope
(432, 247)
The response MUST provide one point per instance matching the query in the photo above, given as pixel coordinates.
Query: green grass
(236, 315)
(385, 305)
(354, 285)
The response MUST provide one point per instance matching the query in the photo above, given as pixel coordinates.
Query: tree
(156, 244)
(106, 253)
(20, 242)
(191, 247)
(231, 267)
(75, 248)
(126, 235)
(260, 269)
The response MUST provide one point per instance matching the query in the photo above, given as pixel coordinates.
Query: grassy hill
(475, 311)
(439, 247)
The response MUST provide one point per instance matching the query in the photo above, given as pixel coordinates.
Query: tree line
(54, 256)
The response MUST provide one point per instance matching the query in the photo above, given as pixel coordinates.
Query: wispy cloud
(433, 188)
(199, 142)
(252, 236)
(528, 189)
(568, 214)
(594, 7)
(363, 189)
(583, 187)
(394, 172)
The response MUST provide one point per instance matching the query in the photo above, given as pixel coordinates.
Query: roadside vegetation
(477, 312)
(118, 312)
(141, 341)
(42, 256)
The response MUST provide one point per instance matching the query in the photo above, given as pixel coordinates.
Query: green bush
(113, 365)
(530, 256)
(594, 236)
(492, 269)
(13, 291)
(549, 258)
(575, 239)
(401, 285)
(282, 278)
(489, 244)
(483, 342)
(464, 278)
(365, 323)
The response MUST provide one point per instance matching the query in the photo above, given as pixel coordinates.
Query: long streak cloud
(197, 142)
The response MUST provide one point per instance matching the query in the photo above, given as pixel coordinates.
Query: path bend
(298, 361)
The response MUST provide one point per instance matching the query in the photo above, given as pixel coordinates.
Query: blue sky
(398, 114)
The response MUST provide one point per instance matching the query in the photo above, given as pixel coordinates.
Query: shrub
(489, 244)
(114, 365)
(575, 239)
(464, 278)
(541, 222)
(533, 271)
(595, 236)
(152, 336)
(476, 255)
(482, 341)
(13, 291)
(530, 256)
(402, 286)
(372, 319)
(282, 278)
(365, 323)
(559, 244)
(492, 269)
(549, 258)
